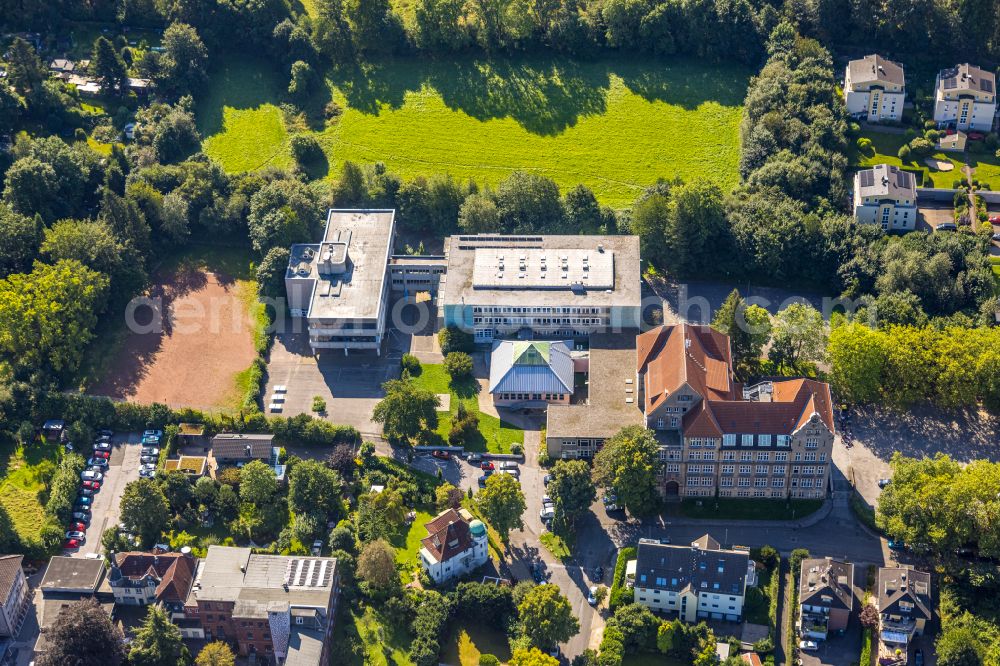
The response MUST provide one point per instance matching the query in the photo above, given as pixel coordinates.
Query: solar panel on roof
(987, 86)
(950, 84)
(867, 178)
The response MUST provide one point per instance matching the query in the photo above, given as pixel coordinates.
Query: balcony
(814, 625)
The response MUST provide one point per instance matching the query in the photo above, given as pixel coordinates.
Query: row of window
(537, 321)
(765, 456)
(530, 396)
(483, 309)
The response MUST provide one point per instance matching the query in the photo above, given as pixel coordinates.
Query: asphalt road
(123, 467)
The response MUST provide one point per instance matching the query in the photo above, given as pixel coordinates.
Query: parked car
(70, 544)
(548, 479)
(546, 499)
(147, 473)
(152, 433)
(150, 451)
(149, 459)
(78, 527)
(486, 464)
(918, 657)
(592, 595)
(81, 516)
(482, 481)
(882, 483)
(511, 472)
(150, 441)
(441, 455)
(82, 504)
(508, 464)
(85, 492)
(976, 136)
(896, 545)
(97, 462)
(79, 536)
(946, 226)
(102, 446)
(994, 219)
(808, 646)
(610, 502)
(599, 573)
(91, 485)
(547, 513)
(91, 475)
(474, 457)
(996, 237)
(102, 454)
(106, 433)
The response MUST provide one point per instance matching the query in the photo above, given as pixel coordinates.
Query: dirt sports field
(193, 359)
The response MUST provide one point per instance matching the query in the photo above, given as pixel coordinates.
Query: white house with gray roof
(965, 98)
(874, 89)
(887, 196)
(523, 373)
(699, 581)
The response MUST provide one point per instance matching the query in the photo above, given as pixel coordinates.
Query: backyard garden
(482, 119)
(27, 472)
(885, 146)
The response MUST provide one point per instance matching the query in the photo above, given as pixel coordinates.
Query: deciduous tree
(502, 503)
(144, 510)
(216, 653)
(377, 565)
(627, 464)
(546, 616)
(82, 634)
(572, 490)
(405, 410)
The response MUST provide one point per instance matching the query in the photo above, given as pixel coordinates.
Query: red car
(70, 544)
(443, 455)
(77, 527)
(486, 464)
(102, 454)
(977, 136)
(92, 485)
(994, 219)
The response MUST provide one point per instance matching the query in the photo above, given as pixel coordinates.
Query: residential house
(69, 581)
(826, 597)
(13, 594)
(142, 579)
(874, 89)
(904, 606)
(61, 67)
(954, 142)
(965, 98)
(699, 581)
(242, 447)
(530, 373)
(339, 284)
(717, 437)
(276, 608)
(887, 196)
(455, 545)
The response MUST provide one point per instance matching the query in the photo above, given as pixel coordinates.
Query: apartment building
(887, 196)
(339, 285)
(773, 439)
(826, 597)
(904, 605)
(277, 608)
(697, 582)
(13, 595)
(553, 286)
(455, 545)
(874, 89)
(965, 98)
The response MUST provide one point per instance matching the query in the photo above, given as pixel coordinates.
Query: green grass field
(383, 645)
(616, 125)
(497, 435)
(749, 509)
(407, 543)
(886, 147)
(467, 641)
(26, 474)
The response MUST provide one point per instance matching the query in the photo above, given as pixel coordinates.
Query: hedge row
(64, 486)
(621, 595)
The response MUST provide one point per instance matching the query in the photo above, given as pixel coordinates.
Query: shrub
(620, 595)
(517, 449)
(306, 149)
(458, 364)
(910, 134)
(904, 153)
(929, 124)
(411, 364)
(453, 339)
(318, 404)
(864, 144)
(921, 147)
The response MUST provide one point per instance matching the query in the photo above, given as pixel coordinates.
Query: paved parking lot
(123, 467)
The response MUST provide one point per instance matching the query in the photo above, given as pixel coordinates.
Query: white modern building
(339, 285)
(456, 545)
(965, 98)
(551, 286)
(887, 196)
(874, 89)
(14, 592)
(699, 581)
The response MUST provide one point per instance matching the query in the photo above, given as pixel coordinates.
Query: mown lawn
(407, 543)
(467, 641)
(26, 473)
(497, 435)
(749, 509)
(995, 266)
(616, 125)
(885, 149)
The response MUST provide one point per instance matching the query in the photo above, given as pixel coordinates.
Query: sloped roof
(700, 567)
(672, 355)
(876, 69)
(827, 578)
(899, 584)
(234, 446)
(10, 566)
(449, 535)
(886, 180)
(966, 77)
(531, 367)
(172, 571)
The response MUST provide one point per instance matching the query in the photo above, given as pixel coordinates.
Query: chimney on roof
(248, 450)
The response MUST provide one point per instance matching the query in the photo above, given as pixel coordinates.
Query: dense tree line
(904, 365)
